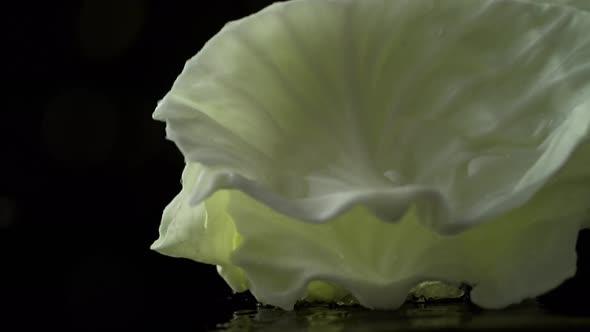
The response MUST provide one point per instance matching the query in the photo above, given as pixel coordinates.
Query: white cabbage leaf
(342, 148)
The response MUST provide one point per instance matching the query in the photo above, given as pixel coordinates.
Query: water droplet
(543, 128)
(393, 176)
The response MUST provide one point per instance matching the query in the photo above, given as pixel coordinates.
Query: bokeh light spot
(108, 28)
(8, 212)
(80, 128)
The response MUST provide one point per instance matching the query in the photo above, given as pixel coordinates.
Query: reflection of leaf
(408, 318)
(436, 291)
(367, 146)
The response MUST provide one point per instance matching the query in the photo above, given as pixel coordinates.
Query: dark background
(87, 172)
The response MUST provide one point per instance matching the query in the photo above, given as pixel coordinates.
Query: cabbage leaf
(358, 148)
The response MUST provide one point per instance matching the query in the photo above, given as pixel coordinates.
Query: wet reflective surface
(411, 317)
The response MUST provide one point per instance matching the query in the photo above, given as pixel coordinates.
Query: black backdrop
(87, 172)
